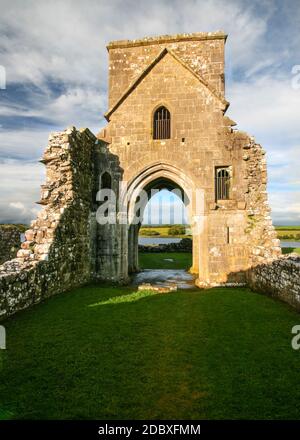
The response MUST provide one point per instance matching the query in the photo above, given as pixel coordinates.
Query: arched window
(222, 186)
(106, 180)
(162, 123)
(105, 184)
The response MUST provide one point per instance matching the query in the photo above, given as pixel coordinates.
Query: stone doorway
(152, 181)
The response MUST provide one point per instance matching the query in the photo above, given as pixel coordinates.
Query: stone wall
(9, 242)
(279, 278)
(55, 255)
(202, 52)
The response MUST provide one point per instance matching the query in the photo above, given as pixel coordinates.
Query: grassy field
(287, 228)
(161, 231)
(283, 232)
(181, 260)
(111, 352)
(288, 232)
(20, 226)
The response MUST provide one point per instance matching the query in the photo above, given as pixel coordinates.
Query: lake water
(158, 240)
(291, 244)
(165, 277)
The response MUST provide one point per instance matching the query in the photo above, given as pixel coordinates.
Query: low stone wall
(280, 279)
(184, 245)
(9, 242)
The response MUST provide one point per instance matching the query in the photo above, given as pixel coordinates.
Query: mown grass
(165, 260)
(110, 352)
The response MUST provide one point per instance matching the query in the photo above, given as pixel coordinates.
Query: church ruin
(166, 128)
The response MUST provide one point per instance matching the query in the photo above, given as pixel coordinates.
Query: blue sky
(55, 60)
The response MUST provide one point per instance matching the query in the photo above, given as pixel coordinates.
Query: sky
(54, 64)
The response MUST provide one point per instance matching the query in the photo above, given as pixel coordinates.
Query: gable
(150, 67)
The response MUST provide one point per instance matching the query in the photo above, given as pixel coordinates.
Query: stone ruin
(166, 129)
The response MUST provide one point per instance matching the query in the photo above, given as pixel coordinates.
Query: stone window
(162, 123)
(106, 180)
(105, 184)
(222, 183)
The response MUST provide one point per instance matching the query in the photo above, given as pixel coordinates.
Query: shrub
(149, 232)
(177, 230)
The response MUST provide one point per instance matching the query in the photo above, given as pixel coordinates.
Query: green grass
(287, 228)
(181, 260)
(288, 250)
(20, 226)
(110, 352)
(291, 233)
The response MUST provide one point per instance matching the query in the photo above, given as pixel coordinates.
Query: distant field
(21, 227)
(283, 232)
(287, 228)
(288, 232)
(160, 231)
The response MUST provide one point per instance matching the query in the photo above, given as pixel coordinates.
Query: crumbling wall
(264, 246)
(56, 253)
(279, 278)
(9, 242)
(109, 241)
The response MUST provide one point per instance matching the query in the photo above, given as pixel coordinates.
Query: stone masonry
(280, 279)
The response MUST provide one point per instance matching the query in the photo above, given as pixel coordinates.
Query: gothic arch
(165, 175)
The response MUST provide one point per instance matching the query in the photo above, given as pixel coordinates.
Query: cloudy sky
(55, 60)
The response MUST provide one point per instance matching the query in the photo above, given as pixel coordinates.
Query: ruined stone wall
(279, 278)
(264, 246)
(9, 242)
(55, 255)
(110, 254)
(251, 237)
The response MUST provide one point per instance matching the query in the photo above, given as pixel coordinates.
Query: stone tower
(167, 125)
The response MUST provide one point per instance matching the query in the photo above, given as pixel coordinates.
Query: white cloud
(23, 144)
(285, 205)
(267, 106)
(20, 189)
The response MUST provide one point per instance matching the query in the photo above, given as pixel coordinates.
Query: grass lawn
(111, 352)
(181, 260)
